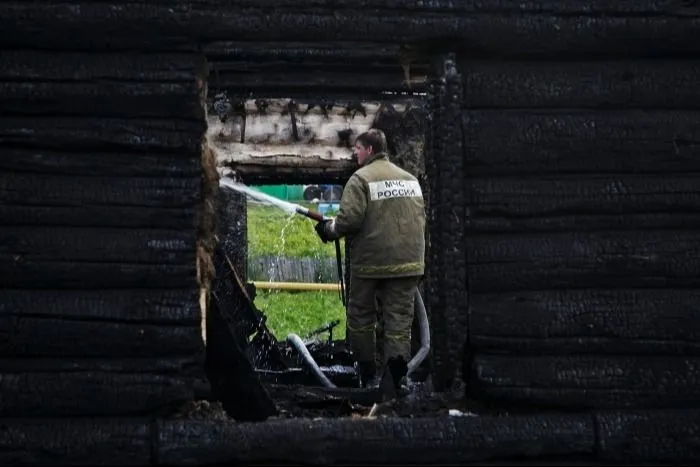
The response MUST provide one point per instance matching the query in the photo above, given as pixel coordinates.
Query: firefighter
(383, 212)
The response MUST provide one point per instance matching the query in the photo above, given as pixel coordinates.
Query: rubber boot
(368, 374)
(398, 367)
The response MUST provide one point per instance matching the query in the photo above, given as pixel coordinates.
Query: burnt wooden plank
(104, 164)
(546, 142)
(511, 262)
(585, 382)
(100, 216)
(105, 98)
(68, 191)
(34, 387)
(99, 68)
(108, 245)
(59, 337)
(479, 34)
(622, 321)
(28, 274)
(338, 52)
(587, 202)
(653, 436)
(584, 222)
(258, 78)
(602, 84)
(394, 440)
(76, 441)
(85, 134)
(590, 7)
(137, 306)
(131, 25)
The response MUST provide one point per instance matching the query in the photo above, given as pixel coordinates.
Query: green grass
(287, 311)
(300, 312)
(266, 225)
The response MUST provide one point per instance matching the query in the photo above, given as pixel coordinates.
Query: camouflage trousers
(397, 299)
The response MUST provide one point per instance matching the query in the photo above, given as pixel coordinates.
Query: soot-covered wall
(563, 255)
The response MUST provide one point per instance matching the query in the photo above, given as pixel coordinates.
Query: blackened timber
(339, 52)
(436, 441)
(103, 99)
(65, 25)
(52, 190)
(447, 296)
(101, 164)
(23, 273)
(544, 196)
(33, 387)
(585, 222)
(612, 321)
(517, 34)
(582, 84)
(51, 337)
(293, 169)
(300, 77)
(586, 382)
(29, 66)
(511, 262)
(76, 441)
(591, 7)
(545, 142)
(100, 216)
(152, 306)
(84, 134)
(152, 246)
(653, 436)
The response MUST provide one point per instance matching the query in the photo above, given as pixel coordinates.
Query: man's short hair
(375, 138)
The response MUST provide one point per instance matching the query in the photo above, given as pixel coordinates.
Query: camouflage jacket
(383, 212)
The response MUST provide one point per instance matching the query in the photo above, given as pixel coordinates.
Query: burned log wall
(101, 190)
(138, 157)
(581, 182)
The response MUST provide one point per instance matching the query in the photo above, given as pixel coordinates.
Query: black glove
(322, 230)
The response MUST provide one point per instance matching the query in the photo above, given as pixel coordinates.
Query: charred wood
(147, 246)
(446, 294)
(663, 436)
(98, 216)
(65, 25)
(394, 440)
(16, 272)
(34, 387)
(585, 382)
(584, 202)
(545, 142)
(103, 99)
(583, 84)
(91, 134)
(26, 336)
(169, 307)
(625, 321)
(542, 34)
(29, 189)
(100, 164)
(641, 436)
(662, 258)
(30, 66)
(293, 169)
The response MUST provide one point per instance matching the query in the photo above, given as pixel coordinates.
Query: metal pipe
(424, 325)
(303, 286)
(298, 344)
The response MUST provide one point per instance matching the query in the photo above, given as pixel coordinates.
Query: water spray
(286, 206)
(290, 208)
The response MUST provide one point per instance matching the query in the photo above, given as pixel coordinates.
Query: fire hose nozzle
(318, 217)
